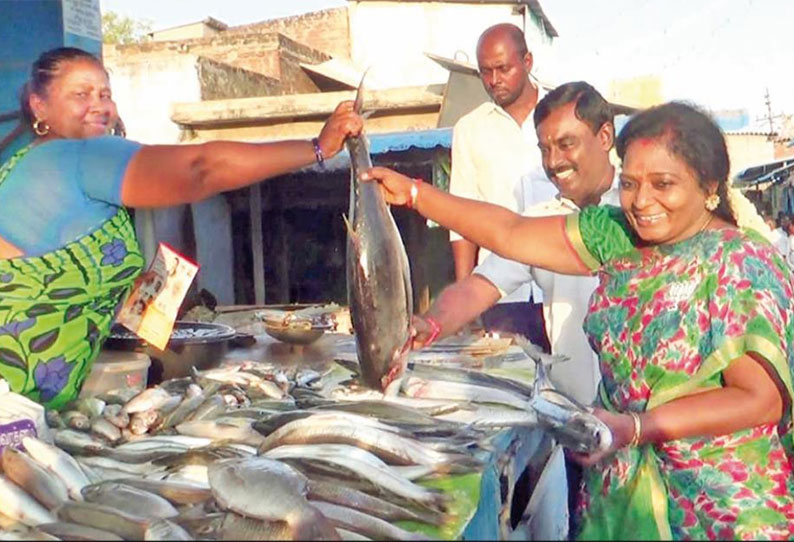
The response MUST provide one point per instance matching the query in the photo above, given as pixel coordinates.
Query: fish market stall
(230, 451)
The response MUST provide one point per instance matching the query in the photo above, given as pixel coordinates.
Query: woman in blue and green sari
(68, 252)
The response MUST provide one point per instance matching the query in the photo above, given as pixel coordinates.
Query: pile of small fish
(241, 452)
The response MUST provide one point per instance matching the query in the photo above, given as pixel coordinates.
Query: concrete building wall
(747, 150)
(392, 37)
(325, 30)
(272, 55)
(185, 32)
(144, 86)
(221, 81)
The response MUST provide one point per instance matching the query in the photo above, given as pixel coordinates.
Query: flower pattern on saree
(651, 339)
(114, 253)
(52, 376)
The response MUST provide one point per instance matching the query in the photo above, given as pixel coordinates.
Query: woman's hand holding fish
(622, 428)
(342, 123)
(396, 186)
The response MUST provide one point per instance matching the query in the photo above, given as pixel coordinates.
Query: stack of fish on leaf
(248, 451)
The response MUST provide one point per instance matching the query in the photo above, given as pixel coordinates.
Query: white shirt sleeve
(506, 275)
(463, 179)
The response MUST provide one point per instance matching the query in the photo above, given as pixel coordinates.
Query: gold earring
(41, 128)
(712, 202)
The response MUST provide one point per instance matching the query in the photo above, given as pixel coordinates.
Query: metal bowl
(294, 334)
(192, 344)
(293, 324)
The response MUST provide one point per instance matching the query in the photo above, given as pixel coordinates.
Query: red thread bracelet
(435, 332)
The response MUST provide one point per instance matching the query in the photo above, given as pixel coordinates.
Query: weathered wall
(271, 55)
(747, 150)
(185, 32)
(144, 86)
(325, 30)
(392, 37)
(221, 81)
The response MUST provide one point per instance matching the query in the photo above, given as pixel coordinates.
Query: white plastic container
(20, 417)
(114, 370)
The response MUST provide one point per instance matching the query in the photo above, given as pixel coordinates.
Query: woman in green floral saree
(693, 325)
(68, 252)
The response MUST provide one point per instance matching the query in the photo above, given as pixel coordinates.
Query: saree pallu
(56, 309)
(667, 321)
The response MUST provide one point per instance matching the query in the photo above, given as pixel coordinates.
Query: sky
(723, 54)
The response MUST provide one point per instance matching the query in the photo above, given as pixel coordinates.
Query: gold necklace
(706, 223)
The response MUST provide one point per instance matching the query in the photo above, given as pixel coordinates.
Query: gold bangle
(635, 439)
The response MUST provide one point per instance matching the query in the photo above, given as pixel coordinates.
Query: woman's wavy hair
(691, 135)
(44, 70)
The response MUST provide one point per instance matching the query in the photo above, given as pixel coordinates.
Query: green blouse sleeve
(599, 234)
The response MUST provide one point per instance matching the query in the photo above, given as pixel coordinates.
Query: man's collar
(610, 197)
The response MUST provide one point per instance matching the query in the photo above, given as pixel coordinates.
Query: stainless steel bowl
(294, 334)
(192, 344)
(301, 325)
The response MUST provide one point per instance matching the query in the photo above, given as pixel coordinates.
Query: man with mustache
(575, 132)
(493, 147)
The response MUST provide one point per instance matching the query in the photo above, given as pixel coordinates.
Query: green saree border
(720, 359)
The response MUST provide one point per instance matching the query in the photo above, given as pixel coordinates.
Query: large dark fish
(378, 277)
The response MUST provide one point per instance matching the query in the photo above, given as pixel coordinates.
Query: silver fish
(378, 275)
(59, 463)
(365, 465)
(233, 429)
(72, 531)
(130, 499)
(18, 505)
(414, 386)
(343, 495)
(118, 522)
(148, 399)
(114, 415)
(41, 484)
(571, 423)
(368, 434)
(359, 522)
(163, 529)
(103, 428)
(179, 493)
(231, 526)
(237, 486)
(74, 419)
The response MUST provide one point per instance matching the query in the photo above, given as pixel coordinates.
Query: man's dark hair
(690, 135)
(591, 108)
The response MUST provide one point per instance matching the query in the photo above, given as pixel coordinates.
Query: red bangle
(435, 332)
(411, 204)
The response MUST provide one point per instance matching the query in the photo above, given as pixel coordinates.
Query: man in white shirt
(576, 132)
(493, 147)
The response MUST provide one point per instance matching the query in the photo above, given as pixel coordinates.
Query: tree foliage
(122, 30)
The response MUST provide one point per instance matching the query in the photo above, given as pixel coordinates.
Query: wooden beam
(299, 106)
(257, 246)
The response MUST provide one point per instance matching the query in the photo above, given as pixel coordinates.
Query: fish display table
(283, 443)
(520, 493)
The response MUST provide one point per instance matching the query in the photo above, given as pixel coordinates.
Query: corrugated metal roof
(392, 142)
(533, 5)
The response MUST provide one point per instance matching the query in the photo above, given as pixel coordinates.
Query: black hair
(44, 70)
(591, 108)
(691, 135)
